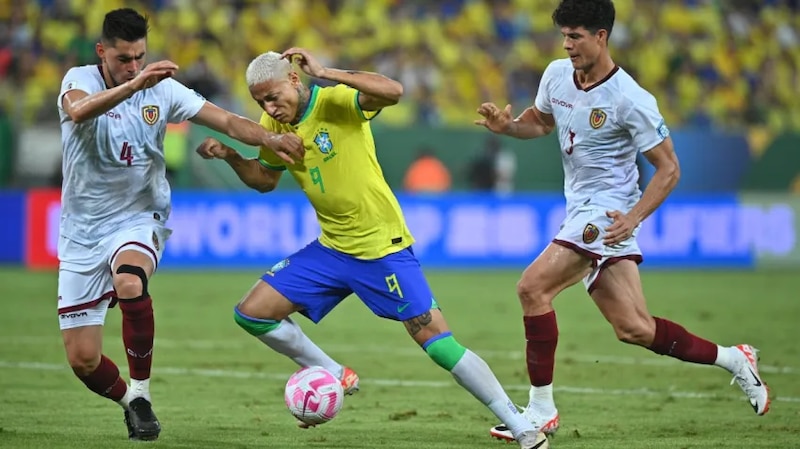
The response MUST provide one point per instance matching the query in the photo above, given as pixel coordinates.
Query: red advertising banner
(41, 225)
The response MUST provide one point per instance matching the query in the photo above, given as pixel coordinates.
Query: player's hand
(621, 229)
(305, 61)
(289, 147)
(212, 148)
(495, 119)
(153, 74)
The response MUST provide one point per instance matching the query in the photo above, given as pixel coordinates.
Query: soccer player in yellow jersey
(365, 245)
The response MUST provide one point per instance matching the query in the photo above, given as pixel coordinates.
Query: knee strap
(137, 271)
(444, 350)
(254, 326)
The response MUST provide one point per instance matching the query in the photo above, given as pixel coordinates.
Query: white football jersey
(601, 129)
(113, 165)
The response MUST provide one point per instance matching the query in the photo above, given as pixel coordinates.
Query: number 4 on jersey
(126, 154)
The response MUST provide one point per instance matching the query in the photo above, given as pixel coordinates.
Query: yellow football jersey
(357, 211)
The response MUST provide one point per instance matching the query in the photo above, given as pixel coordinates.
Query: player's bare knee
(266, 303)
(128, 286)
(634, 332)
(83, 360)
(130, 282)
(531, 292)
(426, 326)
(260, 311)
(265, 308)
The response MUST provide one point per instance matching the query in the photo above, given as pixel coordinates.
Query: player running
(365, 246)
(116, 200)
(603, 119)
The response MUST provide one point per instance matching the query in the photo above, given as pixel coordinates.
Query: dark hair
(593, 15)
(125, 24)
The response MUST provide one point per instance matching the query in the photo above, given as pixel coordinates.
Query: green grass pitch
(214, 386)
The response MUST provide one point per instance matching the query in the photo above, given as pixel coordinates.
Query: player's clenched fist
(288, 147)
(212, 148)
(153, 74)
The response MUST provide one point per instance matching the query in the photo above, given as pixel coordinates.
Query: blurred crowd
(724, 63)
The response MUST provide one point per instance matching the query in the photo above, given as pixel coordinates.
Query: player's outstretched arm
(530, 124)
(81, 106)
(375, 90)
(250, 171)
(289, 147)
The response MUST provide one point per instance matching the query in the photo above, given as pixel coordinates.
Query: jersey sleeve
(186, 103)
(345, 98)
(79, 78)
(542, 101)
(644, 122)
(266, 156)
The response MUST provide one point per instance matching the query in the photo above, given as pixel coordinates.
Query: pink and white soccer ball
(314, 395)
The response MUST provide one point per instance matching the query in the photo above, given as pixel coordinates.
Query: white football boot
(547, 424)
(531, 440)
(747, 376)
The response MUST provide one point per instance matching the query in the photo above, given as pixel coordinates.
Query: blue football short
(318, 278)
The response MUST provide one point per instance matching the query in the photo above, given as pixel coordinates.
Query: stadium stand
(710, 63)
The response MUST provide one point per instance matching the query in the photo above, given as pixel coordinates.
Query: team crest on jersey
(590, 233)
(278, 267)
(156, 243)
(662, 130)
(323, 141)
(150, 114)
(597, 118)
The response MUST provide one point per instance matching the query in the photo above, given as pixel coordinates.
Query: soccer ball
(314, 395)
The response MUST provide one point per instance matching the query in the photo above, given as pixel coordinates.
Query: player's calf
(105, 381)
(96, 371)
(82, 361)
(673, 340)
(634, 330)
(287, 338)
(472, 373)
(138, 325)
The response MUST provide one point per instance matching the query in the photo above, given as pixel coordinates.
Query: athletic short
(583, 231)
(318, 278)
(85, 282)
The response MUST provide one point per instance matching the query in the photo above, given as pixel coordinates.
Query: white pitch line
(412, 351)
(219, 373)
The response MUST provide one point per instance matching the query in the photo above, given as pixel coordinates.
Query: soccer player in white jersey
(116, 201)
(603, 119)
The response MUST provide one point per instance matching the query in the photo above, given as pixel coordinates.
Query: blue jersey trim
(250, 318)
(436, 338)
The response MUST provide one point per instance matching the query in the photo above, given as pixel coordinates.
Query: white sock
(728, 357)
(472, 373)
(125, 399)
(139, 389)
(541, 399)
(289, 340)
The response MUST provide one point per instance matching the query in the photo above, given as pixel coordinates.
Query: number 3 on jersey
(571, 142)
(126, 155)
